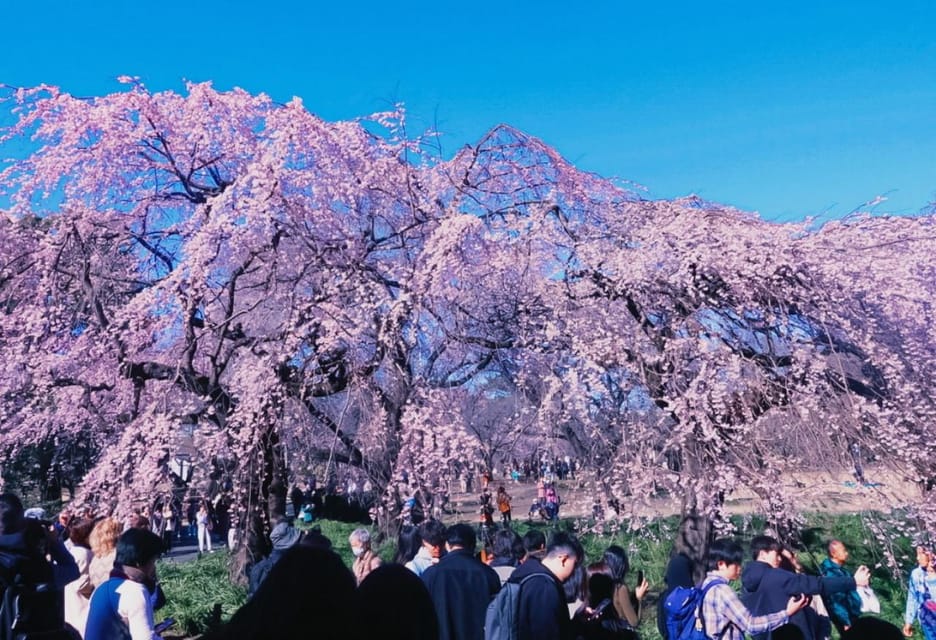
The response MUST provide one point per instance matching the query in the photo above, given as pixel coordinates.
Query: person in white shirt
(122, 607)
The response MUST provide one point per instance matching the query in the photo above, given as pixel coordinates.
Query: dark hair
(574, 587)
(724, 550)
(600, 586)
(871, 628)
(137, 547)
(80, 531)
(534, 540)
(385, 592)
(315, 539)
(306, 584)
(432, 532)
(788, 631)
(507, 546)
(562, 542)
(616, 559)
(461, 535)
(11, 514)
(408, 544)
(761, 544)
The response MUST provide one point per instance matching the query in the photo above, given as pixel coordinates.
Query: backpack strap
(526, 579)
(699, 613)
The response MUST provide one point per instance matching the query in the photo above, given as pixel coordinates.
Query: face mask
(357, 551)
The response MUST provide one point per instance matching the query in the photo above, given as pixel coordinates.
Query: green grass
(193, 589)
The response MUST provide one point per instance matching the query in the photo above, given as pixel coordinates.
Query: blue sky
(789, 109)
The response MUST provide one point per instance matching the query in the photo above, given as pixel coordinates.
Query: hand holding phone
(642, 586)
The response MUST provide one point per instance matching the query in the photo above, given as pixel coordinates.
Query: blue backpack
(683, 611)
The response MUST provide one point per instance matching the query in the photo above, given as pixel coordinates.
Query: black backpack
(500, 620)
(32, 611)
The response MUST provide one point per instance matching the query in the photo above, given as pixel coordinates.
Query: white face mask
(357, 551)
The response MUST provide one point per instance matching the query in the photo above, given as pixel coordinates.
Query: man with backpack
(542, 612)
(720, 613)
(31, 588)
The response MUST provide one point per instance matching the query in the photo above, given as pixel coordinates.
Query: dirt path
(829, 492)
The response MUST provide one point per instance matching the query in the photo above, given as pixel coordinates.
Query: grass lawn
(195, 590)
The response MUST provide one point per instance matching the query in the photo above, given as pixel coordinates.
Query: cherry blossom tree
(220, 260)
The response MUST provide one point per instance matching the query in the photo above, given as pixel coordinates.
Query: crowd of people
(87, 576)
(564, 596)
(98, 581)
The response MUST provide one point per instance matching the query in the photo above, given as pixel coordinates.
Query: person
(365, 560)
(844, 606)
(768, 587)
(542, 613)
(432, 535)
(461, 586)
(122, 607)
(77, 593)
(60, 526)
(627, 607)
(576, 588)
(191, 512)
(296, 498)
(724, 616)
(534, 545)
(922, 589)
(503, 505)
(386, 592)
(408, 544)
(316, 539)
(597, 618)
(24, 545)
(686, 566)
(552, 502)
(507, 549)
(103, 541)
(167, 523)
(283, 537)
(486, 512)
(203, 525)
(309, 593)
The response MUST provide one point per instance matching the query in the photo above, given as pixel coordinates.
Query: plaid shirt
(726, 617)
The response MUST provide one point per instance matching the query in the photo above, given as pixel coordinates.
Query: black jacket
(605, 626)
(461, 587)
(22, 552)
(767, 590)
(544, 614)
(22, 559)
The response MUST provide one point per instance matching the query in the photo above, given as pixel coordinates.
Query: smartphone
(640, 577)
(600, 609)
(165, 624)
